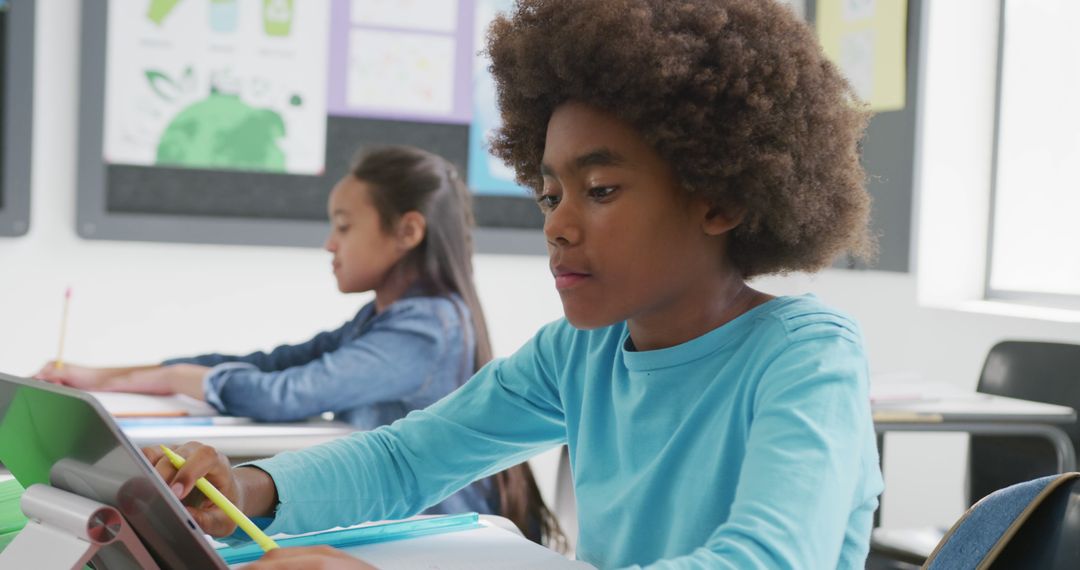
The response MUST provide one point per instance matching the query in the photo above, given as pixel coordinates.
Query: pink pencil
(63, 330)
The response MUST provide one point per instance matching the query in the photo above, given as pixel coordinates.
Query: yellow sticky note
(867, 40)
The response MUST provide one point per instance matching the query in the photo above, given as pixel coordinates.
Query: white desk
(237, 439)
(976, 413)
(475, 549)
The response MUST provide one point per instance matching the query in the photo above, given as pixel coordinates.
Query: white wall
(138, 302)
(144, 301)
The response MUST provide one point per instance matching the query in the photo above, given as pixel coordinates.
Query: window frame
(1057, 300)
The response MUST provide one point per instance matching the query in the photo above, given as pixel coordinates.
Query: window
(1035, 216)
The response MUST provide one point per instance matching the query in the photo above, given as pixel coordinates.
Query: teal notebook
(356, 536)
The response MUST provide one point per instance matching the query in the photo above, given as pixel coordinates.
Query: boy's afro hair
(735, 94)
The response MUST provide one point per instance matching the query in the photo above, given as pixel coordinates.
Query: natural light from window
(1035, 244)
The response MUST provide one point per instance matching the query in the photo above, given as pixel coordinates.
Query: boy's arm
(508, 412)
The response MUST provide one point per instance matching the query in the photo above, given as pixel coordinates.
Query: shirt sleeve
(508, 412)
(800, 480)
(282, 357)
(394, 358)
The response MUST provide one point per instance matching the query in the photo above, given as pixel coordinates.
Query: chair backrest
(1034, 524)
(1051, 537)
(1040, 371)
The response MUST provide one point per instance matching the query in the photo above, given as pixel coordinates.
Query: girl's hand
(152, 379)
(164, 380)
(81, 377)
(308, 557)
(200, 461)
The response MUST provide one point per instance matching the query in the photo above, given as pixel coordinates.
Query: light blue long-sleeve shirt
(370, 372)
(749, 447)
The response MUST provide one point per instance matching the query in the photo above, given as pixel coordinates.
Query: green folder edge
(357, 536)
(12, 519)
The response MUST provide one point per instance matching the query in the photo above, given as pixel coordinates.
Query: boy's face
(626, 241)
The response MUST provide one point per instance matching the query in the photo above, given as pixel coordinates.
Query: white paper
(402, 72)
(857, 61)
(122, 404)
(855, 10)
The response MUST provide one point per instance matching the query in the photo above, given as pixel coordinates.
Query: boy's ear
(719, 220)
(411, 228)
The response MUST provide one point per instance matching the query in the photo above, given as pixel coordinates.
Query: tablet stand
(67, 531)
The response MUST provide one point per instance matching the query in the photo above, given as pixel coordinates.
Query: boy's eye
(601, 192)
(342, 229)
(547, 202)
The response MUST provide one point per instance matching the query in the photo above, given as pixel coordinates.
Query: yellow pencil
(63, 331)
(223, 503)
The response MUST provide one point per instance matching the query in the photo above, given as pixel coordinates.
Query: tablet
(63, 437)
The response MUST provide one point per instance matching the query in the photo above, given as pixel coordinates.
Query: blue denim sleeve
(398, 470)
(394, 357)
(282, 357)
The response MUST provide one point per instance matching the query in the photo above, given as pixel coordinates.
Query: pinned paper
(867, 40)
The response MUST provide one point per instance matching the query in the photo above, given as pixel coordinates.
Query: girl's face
(626, 242)
(364, 254)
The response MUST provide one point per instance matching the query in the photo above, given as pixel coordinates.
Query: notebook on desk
(125, 405)
(477, 545)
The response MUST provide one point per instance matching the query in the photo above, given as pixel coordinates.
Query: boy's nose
(562, 226)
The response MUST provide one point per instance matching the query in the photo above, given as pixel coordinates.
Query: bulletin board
(155, 80)
(303, 86)
(878, 44)
(16, 113)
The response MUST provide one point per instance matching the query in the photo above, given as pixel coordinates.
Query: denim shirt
(371, 371)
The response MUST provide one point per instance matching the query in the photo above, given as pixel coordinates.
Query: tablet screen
(59, 436)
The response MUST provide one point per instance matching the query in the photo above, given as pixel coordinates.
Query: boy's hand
(200, 461)
(309, 557)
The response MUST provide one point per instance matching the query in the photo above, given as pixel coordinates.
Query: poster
(218, 84)
(401, 60)
(487, 174)
(867, 40)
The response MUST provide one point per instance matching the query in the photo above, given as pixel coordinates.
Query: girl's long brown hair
(405, 179)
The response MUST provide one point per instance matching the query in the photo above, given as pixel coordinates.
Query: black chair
(1039, 371)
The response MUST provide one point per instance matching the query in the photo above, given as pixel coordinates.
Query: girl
(401, 228)
(678, 148)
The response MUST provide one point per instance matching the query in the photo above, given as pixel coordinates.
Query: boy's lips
(566, 278)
